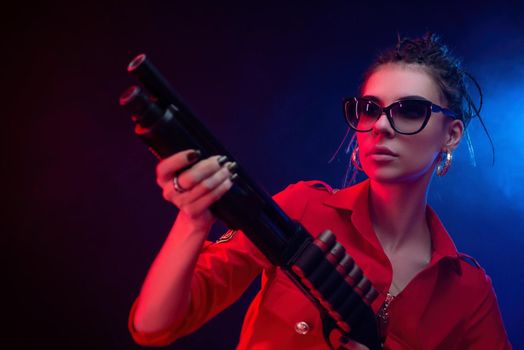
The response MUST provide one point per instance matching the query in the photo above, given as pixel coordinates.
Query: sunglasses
(406, 117)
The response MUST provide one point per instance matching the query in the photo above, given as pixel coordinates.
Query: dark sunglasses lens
(361, 114)
(409, 115)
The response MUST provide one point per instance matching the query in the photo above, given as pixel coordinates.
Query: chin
(395, 175)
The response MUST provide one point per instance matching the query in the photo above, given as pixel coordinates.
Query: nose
(383, 126)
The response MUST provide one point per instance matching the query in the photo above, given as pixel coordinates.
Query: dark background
(83, 216)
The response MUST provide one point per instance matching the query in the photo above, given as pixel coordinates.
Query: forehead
(391, 82)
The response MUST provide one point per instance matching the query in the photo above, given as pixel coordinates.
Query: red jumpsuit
(449, 305)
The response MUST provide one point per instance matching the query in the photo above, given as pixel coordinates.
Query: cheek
(421, 150)
(363, 144)
(364, 141)
(431, 139)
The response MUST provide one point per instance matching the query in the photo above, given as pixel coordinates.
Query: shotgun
(319, 266)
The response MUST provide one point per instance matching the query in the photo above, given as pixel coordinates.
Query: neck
(398, 213)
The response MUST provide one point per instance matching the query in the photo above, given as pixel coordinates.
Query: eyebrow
(409, 97)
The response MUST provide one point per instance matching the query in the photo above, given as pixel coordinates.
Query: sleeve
(223, 272)
(484, 328)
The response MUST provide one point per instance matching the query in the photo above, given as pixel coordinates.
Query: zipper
(383, 317)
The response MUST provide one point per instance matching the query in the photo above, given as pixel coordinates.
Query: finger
(200, 205)
(167, 167)
(200, 171)
(207, 185)
(196, 191)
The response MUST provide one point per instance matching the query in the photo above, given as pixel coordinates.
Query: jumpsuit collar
(355, 200)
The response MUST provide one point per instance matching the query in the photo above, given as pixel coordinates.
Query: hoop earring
(444, 164)
(354, 159)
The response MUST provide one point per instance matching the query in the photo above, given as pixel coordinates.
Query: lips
(381, 150)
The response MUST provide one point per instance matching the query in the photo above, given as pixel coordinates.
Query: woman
(409, 119)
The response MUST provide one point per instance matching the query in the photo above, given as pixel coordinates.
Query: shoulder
(295, 197)
(473, 277)
(292, 200)
(308, 188)
(483, 327)
(470, 289)
(468, 259)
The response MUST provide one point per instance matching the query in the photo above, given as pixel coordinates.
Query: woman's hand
(200, 184)
(165, 295)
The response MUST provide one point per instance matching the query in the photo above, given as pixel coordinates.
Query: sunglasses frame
(433, 108)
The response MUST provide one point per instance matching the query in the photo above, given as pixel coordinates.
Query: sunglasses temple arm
(446, 111)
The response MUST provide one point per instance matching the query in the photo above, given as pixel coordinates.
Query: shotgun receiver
(320, 266)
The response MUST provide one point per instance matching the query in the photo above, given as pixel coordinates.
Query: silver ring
(177, 186)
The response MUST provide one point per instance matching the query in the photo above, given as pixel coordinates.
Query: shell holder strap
(338, 284)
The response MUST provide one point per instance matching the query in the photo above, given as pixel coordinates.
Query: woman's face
(388, 156)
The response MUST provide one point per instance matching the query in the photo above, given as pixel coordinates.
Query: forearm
(165, 295)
